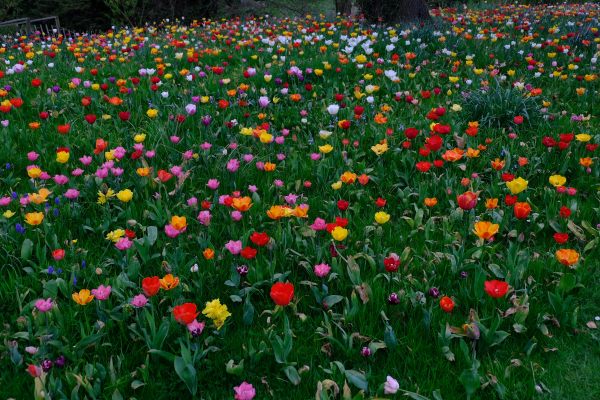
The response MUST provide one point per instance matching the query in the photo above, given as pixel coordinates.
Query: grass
(477, 350)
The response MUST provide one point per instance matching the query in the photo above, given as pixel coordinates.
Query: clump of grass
(497, 106)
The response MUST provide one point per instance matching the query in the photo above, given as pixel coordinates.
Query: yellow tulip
(557, 180)
(516, 186)
(382, 217)
(34, 218)
(125, 195)
(83, 297)
(339, 233)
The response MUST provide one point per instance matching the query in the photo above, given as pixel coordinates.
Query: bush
(497, 106)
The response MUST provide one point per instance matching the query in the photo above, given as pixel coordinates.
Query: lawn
(303, 208)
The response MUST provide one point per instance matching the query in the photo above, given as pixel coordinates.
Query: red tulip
(58, 254)
(522, 210)
(282, 293)
(151, 285)
(447, 304)
(248, 252)
(565, 212)
(90, 118)
(342, 205)
(423, 166)
(64, 129)
(510, 200)
(434, 143)
(561, 238)
(260, 238)
(101, 145)
(164, 176)
(411, 133)
(391, 263)
(496, 288)
(467, 200)
(185, 313)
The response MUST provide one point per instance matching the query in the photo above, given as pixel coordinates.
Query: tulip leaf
(332, 300)
(152, 235)
(26, 249)
(357, 379)
(292, 374)
(248, 313)
(187, 373)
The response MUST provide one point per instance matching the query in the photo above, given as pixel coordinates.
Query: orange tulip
(485, 229)
(431, 201)
(453, 155)
(83, 297)
(208, 253)
(490, 204)
(498, 164)
(522, 210)
(567, 257)
(179, 223)
(169, 282)
(276, 212)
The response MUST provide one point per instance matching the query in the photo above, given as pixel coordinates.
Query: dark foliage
(93, 15)
(394, 10)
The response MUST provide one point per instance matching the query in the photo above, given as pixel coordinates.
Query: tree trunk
(343, 7)
(394, 10)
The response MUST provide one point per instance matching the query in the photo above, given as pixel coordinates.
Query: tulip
(447, 304)
(382, 217)
(185, 313)
(496, 288)
(517, 185)
(339, 233)
(485, 229)
(151, 285)
(567, 257)
(521, 210)
(282, 293)
(83, 297)
(169, 282)
(245, 391)
(467, 200)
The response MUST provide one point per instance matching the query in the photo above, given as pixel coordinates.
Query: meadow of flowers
(302, 208)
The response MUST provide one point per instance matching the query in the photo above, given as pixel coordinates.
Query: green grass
(116, 351)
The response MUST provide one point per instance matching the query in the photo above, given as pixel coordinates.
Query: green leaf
(187, 373)
(248, 312)
(413, 395)
(470, 381)
(332, 300)
(357, 379)
(497, 271)
(234, 369)
(26, 249)
(152, 234)
(164, 354)
(567, 283)
(235, 298)
(292, 374)
(389, 337)
(136, 384)
(88, 341)
(353, 271)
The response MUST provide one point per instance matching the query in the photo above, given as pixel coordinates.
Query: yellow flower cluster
(217, 312)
